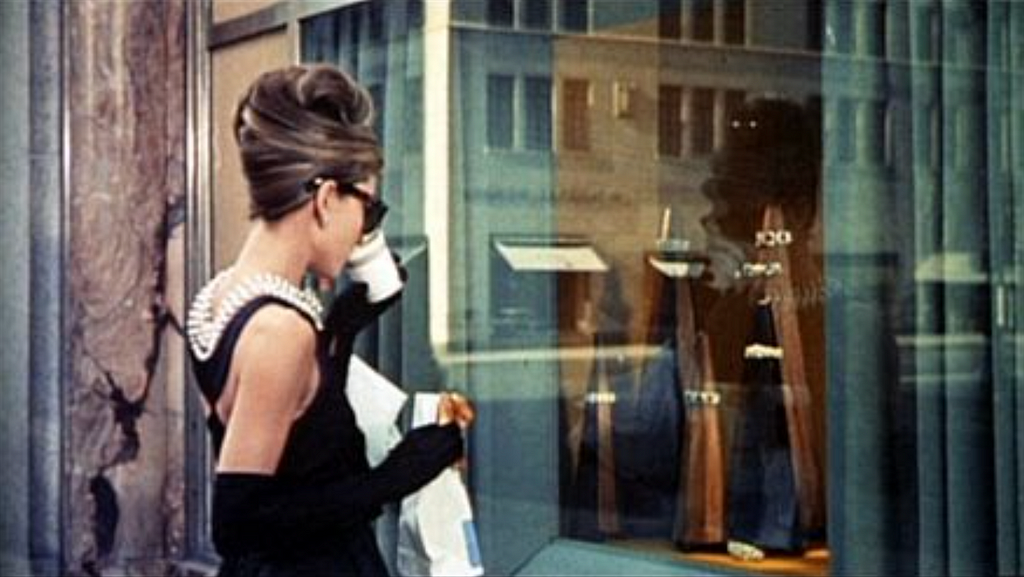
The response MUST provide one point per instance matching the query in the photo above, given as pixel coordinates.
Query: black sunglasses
(374, 208)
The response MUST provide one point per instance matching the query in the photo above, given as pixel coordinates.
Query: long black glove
(259, 512)
(352, 311)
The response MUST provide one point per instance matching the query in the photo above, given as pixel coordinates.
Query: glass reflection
(721, 269)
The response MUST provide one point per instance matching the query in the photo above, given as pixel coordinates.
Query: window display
(607, 196)
(711, 270)
(716, 436)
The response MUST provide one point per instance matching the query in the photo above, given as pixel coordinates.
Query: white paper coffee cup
(371, 263)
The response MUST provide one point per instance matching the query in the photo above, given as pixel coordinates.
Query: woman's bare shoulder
(277, 348)
(278, 321)
(274, 363)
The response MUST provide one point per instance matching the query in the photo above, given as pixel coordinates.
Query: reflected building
(595, 125)
(587, 119)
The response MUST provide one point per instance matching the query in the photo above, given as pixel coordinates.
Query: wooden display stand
(700, 504)
(778, 289)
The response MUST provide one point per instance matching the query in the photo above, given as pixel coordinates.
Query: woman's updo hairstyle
(297, 123)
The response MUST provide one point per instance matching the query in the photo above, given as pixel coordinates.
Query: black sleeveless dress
(324, 443)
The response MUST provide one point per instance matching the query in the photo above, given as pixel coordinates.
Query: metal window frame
(197, 557)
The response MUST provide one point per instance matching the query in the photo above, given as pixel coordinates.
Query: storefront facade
(726, 278)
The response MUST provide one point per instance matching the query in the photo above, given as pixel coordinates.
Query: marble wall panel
(126, 106)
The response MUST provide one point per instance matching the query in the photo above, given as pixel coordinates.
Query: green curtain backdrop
(924, 189)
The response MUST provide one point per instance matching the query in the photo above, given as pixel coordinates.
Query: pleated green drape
(1005, 100)
(924, 189)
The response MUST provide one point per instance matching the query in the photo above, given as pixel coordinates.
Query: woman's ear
(321, 198)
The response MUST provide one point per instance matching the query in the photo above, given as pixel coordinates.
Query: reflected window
(575, 15)
(735, 21)
(575, 114)
(413, 116)
(871, 124)
(414, 14)
(376, 91)
(670, 19)
(842, 133)
(500, 110)
(702, 120)
(501, 12)
(964, 131)
(670, 120)
(871, 30)
(537, 14)
(375, 21)
(734, 99)
(702, 14)
(840, 28)
(537, 97)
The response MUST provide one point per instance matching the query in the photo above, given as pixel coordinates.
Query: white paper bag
(376, 401)
(436, 533)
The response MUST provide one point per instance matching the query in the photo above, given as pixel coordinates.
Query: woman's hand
(455, 407)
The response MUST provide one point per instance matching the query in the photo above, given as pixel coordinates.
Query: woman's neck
(273, 248)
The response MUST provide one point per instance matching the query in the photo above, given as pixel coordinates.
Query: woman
(293, 493)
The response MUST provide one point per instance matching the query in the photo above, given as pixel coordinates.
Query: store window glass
(924, 269)
(741, 288)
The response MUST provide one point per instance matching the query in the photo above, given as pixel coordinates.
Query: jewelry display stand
(775, 493)
(699, 502)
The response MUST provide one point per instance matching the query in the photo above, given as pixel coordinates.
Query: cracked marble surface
(124, 462)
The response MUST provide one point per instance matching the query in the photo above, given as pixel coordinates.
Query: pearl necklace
(204, 330)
